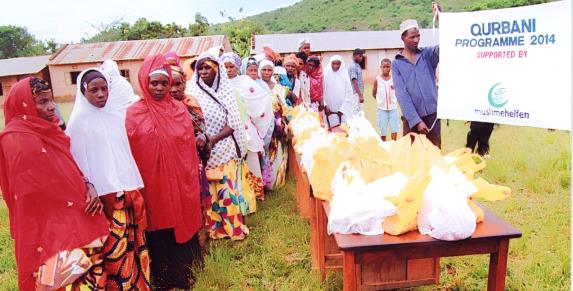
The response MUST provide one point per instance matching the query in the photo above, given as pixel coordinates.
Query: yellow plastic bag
(414, 154)
(489, 191)
(464, 158)
(326, 161)
(476, 210)
(372, 160)
(408, 204)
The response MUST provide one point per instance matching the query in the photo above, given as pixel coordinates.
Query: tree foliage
(496, 4)
(145, 29)
(16, 41)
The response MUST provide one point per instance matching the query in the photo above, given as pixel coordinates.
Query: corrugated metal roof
(23, 66)
(340, 41)
(134, 49)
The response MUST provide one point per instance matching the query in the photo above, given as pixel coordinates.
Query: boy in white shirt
(384, 93)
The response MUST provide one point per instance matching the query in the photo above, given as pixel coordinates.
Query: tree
(496, 4)
(112, 31)
(16, 41)
(200, 26)
(240, 32)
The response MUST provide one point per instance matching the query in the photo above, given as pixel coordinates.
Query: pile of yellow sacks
(412, 156)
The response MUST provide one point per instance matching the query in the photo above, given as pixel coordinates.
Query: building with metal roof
(377, 45)
(12, 70)
(66, 64)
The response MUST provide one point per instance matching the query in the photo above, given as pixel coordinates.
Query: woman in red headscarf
(314, 72)
(52, 222)
(162, 140)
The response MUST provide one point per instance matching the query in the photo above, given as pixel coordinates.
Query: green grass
(535, 163)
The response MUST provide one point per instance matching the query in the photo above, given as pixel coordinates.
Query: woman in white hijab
(258, 117)
(101, 149)
(121, 92)
(337, 91)
(275, 160)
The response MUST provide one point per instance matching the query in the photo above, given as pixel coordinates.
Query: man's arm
(354, 81)
(404, 99)
(433, 55)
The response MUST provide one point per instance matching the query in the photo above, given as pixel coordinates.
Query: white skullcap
(302, 42)
(407, 24)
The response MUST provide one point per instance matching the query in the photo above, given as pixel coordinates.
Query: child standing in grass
(384, 93)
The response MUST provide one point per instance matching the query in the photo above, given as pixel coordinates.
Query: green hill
(336, 15)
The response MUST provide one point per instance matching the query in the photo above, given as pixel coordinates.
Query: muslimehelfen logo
(498, 96)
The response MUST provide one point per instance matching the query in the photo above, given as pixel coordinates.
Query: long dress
(256, 107)
(225, 219)
(276, 144)
(162, 140)
(100, 147)
(46, 196)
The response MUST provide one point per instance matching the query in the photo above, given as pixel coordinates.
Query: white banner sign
(510, 66)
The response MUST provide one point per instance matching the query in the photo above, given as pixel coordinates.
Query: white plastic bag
(316, 141)
(444, 213)
(354, 209)
(388, 186)
(360, 128)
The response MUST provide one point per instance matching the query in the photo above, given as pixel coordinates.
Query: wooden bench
(364, 256)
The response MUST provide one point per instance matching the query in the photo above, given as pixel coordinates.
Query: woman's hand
(94, 204)
(201, 141)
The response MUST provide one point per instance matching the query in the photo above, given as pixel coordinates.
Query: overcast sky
(70, 20)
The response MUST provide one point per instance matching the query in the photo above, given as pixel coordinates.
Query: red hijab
(42, 186)
(162, 141)
(316, 79)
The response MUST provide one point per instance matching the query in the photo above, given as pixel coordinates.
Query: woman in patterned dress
(225, 131)
(100, 148)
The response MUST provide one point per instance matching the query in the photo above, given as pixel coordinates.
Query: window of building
(125, 74)
(74, 77)
(1, 89)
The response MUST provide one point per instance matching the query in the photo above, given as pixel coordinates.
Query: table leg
(498, 267)
(349, 271)
(320, 218)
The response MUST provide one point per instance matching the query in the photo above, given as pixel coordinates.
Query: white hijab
(257, 102)
(218, 114)
(337, 88)
(121, 93)
(262, 64)
(99, 144)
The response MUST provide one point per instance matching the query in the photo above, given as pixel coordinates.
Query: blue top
(355, 72)
(415, 84)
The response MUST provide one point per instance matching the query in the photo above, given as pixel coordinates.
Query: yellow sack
(464, 158)
(408, 204)
(326, 161)
(414, 154)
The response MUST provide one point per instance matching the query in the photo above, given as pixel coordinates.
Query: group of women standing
(125, 197)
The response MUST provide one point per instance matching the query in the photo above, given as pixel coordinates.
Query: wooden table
(362, 254)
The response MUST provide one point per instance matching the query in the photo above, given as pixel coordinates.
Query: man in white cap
(304, 46)
(414, 74)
